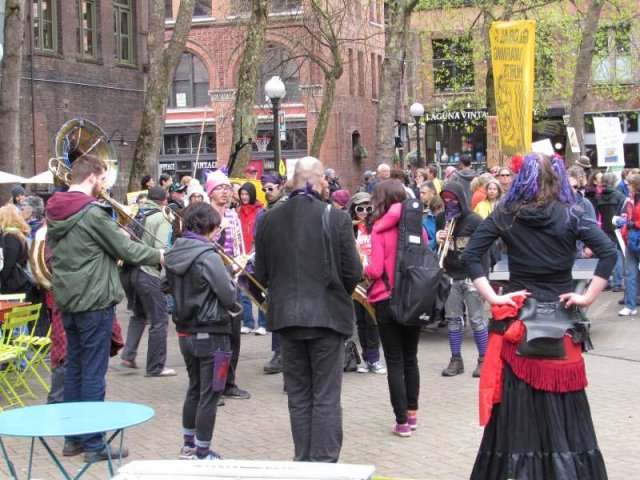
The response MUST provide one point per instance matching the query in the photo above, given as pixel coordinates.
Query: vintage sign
(512, 56)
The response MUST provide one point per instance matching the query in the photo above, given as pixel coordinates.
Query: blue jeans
(617, 271)
(630, 279)
(247, 319)
(88, 346)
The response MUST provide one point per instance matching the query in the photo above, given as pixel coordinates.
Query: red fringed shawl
(560, 376)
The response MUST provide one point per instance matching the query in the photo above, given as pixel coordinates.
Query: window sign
(181, 100)
(609, 141)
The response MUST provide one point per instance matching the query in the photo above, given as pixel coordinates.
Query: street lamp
(275, 91)
(417, 111)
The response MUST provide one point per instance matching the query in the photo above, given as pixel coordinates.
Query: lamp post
(275, 91)
(417, 111)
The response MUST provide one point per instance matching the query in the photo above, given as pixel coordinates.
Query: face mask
(452, 210)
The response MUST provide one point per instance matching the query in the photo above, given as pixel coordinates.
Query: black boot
(478, 370)
(274, 365)
(455, 367)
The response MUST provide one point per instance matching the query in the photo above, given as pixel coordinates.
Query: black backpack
(419, 283)
(136, 227)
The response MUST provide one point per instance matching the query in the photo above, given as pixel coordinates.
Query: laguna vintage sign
(455, 116)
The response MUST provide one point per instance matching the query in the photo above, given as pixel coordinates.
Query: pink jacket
(384, 242)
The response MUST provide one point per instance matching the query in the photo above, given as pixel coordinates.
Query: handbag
(351, 356)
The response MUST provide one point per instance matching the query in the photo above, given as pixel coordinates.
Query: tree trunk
(396, 41)
(320, 131)
(162, 64)
(583, 76)
(11, 71)
(247, 78)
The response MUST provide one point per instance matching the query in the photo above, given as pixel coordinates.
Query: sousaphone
(76, 138)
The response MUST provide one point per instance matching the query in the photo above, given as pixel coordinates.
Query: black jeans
(312, 369)
(236, 325)
(400, 347)
(149, 304)
(367, 334)
(201, 403)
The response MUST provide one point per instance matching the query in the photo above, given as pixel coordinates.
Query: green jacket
(158, 226)
(86, 246)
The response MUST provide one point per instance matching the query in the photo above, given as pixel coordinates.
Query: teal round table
(70, 419)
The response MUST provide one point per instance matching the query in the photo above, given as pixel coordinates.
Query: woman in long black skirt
(532, 398)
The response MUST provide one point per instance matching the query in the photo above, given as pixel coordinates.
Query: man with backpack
(148, 300)
(459, 220)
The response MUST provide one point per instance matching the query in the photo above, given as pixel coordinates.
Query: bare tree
(162, 64)
(397, 28)
(583, 74)
(10, 73)
(248, 74)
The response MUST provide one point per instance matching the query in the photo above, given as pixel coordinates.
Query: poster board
(609, 141)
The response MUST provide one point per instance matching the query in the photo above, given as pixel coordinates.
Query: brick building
(202, 96)
(82, 59)
(448, 75)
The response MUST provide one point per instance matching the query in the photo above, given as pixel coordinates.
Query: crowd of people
(206, 266)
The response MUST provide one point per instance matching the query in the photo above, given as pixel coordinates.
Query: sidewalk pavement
(443, 447)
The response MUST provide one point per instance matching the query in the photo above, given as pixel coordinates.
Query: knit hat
(272, 177)
(583, 162)
(15, 191)
(341, 197)
(360, 197)
(195, 189)
(450, 170)
(216, 179)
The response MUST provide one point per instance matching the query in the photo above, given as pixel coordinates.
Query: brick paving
(443, 447)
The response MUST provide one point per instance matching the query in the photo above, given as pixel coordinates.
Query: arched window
(190, 83)
(276, 61)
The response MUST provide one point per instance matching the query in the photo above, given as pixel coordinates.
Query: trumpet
(443, 249)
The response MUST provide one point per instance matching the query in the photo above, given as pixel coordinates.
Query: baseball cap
(250, 169)
(177, 187)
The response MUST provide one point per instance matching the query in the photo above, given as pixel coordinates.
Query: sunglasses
(221, 188)
(576, 187)
(504, 175)
(361, 209)
(268, 189)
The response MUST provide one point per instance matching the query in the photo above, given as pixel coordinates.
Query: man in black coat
(307, 258)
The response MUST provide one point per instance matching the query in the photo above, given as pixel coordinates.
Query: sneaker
(166, 372)
(210, 455)
(101, 455)
(617, 289)
(72, 448)
(378, 367)
(235, 392)
(626, 311)
(412, 421)
(244, 329)
(260, 331)
(363, 367)
(274, 365)
(401, 429)
(187, 453)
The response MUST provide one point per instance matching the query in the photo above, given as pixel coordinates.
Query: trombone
(443, 249)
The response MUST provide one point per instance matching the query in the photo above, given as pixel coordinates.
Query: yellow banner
(512, 56)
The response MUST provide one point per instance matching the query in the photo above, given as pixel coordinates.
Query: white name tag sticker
(414, 239)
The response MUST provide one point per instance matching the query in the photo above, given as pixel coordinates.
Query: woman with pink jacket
(399, 342)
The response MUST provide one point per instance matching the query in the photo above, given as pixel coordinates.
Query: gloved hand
(618, 221)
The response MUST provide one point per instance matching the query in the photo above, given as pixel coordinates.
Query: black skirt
(534, 434)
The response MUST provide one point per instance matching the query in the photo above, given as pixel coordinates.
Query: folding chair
(37, 347)
(11, 378)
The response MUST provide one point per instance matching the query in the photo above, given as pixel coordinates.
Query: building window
(613, 61)
(187, 143)
(277, 61)
(281, 6)
(361, 74)
(202, 8)
(628, 121)
(123, 30)
(379, 70)
(374, 77)
(352, 80)
(296, 136)
(168, 9)
(452, 65)
(87, 28)
(190, 83)
(45, 25)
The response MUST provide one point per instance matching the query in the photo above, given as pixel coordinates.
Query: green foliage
(360, 152)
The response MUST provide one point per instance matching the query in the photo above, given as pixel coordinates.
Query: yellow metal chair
(13, 362)
(37, 347)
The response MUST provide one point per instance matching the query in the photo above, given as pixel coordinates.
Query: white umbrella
(11, 178)
(41, 178)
